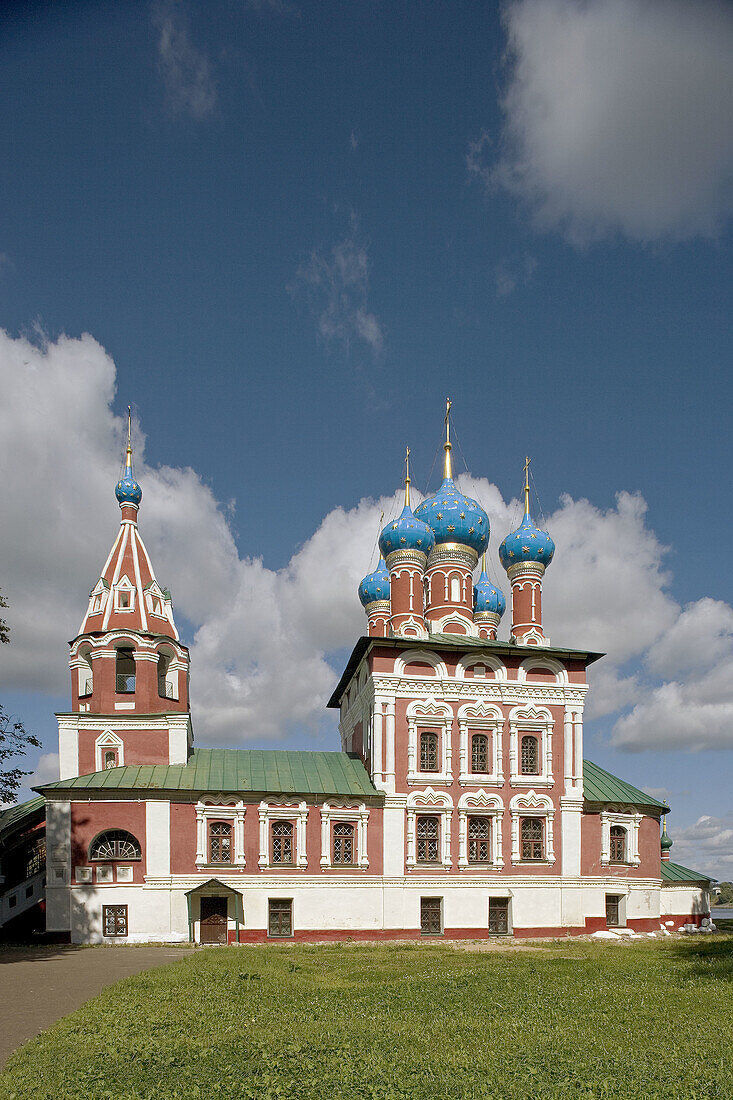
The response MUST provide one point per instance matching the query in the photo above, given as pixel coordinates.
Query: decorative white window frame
(421, 657)
(124, 585)
(489, 662)
(487, 718)
(353, 812)
(154, 593)
(124, 873)
(429, 803)
(432, 714)
(283, 809)
(98, 595)
(531, 804)
(545, 664)
(108, 740)
(531, 720)
(480, 804)
(175, 664)
(630, 823)
(230, 810)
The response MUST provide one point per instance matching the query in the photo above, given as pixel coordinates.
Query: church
(460, 804)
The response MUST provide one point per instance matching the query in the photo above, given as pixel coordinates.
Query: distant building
(460, 804)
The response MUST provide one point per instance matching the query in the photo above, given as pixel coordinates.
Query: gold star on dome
(471, 530)
(480, 522)
(463, 515)
(451, 527)
(403, 539)
(394, 526)
(525, 549)
(533, 536)
(439, 515)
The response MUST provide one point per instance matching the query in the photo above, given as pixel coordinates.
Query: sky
(284, 233)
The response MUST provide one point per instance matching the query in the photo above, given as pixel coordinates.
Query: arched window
(428, 751)
(530, 764)
(110, 759)
(479, 850)
(125, 671)
(86, 676)
(165, 690)
(532, 835)
(220, 842)
(480, 753)
(618, 844)
(455, 590)
(428, 832)
(115, 844)
(343, 843)
(282, 842)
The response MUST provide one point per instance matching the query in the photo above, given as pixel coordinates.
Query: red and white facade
(472, 817)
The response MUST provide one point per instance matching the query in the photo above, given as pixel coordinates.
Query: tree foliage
(14, 738)
(4, 628)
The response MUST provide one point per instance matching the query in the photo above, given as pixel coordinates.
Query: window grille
(115, 844)
(499, 916)
(110, 759)
(480, 753)
(280, 917)
(125, 672)
(428, 833)
(86, 687)
(613, 910)
(36, 859)
(220, 842)
(431, 916)
(479, 850)
(533, 838)
(618, 844)
(114, 920)
(428, 751)
(530, 755)
(343, 843)
(282, 842)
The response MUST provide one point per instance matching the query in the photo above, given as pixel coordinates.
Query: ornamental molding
(231, 810)
(283, 809)
(452, 554)
(511, 693)
(348, 811)
(630, 824)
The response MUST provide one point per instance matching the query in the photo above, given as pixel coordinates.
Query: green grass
(642, 1021)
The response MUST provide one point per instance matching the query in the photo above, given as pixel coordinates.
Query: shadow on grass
(708, 956)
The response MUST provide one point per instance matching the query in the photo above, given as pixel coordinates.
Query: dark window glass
(36, 858)
(220, 842)
(280, 917)
(282, 842)
(110, 759)
(428, 751)
(499, 916)
(29, 891)
(343, 843)
(530, 755)
(479, 850)
(428, 832)
(480, 753)
(114, 920)
(613, 918)
(115, 844)
(618, 844)
(124, 672)
(533, 838)
(431, 916)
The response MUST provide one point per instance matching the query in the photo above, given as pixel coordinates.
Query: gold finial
(407, 477)
(527, 461)
(447, 467)
(483, 562)
(128, 453)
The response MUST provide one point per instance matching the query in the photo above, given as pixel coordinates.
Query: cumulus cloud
(706, 846)
(617, 117)
(336, 286)
(264, 640)
(186, 72)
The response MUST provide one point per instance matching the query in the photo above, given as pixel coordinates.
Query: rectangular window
(220, 842)
(479, 849)
(431, 916)
(428, 835)
(530, 755)
(613, 910)
(428, 751)
(343, 844)
(114, 920)
(618, 844)
(280, 917)
(533, 838)
(499, 916)
(282, 842)
(480, 753)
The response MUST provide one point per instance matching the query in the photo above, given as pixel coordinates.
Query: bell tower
(129, 670)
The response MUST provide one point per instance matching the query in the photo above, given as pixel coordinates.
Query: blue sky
(294, 229)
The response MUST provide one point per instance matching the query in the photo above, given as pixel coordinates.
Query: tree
(14, 739)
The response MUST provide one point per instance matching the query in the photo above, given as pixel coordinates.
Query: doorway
(213, 924)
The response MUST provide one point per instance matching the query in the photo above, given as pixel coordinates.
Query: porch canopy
(214, 886)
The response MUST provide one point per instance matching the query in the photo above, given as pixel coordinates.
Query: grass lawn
(642, 1021)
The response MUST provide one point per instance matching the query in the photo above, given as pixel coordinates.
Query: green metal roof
(600, 786)
(449, 641)
(675, 872)
(236, 770)
(18, 815)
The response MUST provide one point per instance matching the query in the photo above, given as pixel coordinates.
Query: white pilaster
(157, 837)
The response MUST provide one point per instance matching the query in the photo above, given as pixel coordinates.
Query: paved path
(38, 985)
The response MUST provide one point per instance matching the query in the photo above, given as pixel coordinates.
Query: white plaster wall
(572, 901)
(394, 840)
(642, 902)
(681, 900)
(157, 838)
(68, 751)
(536, 906)
(178, 742)
(570, 820)
(58, 866)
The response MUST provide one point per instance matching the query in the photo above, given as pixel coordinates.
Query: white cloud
(706, 846)
(263, 637)
(617, 116)
(511, 273)
(186, 72)
(336, 286)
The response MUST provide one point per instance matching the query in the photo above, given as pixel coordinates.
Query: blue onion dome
(454, 517)
(375, 586)
(406, 533)
(487, 597)
(666, 841)
(527, 543)
(127, 489)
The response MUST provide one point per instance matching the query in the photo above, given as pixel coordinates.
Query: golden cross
(407, 477)
(527, 461)
(129, 436)
(447, 470)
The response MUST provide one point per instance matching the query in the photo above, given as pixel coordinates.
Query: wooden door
(213, 920)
